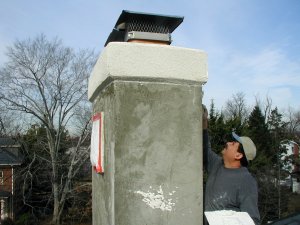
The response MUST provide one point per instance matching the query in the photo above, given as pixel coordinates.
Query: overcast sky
(253, 46)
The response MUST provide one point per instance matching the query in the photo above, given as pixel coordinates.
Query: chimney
(146, 146)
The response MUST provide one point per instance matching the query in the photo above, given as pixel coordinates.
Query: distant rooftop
(293, 219)
(4, 141)
(5, 194)
(9, 152)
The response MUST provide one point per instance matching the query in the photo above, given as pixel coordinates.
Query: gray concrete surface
(153, 153)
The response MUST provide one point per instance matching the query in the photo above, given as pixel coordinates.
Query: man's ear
(238, 156)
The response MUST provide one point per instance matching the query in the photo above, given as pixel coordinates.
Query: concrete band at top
(124, 59)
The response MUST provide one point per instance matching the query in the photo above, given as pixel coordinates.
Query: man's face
(230, 151)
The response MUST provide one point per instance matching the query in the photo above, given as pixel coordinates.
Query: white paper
(228, 217)
(97, 143)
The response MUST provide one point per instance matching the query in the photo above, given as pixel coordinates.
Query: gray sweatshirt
(228, 189)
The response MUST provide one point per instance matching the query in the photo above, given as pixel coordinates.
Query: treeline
(270, 130)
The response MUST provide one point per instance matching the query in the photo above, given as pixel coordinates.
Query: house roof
(7, 141)
(5, 194)
(8, 158)
(293, 219)
(9, 152)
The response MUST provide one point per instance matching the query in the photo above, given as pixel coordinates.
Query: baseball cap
(248, 146)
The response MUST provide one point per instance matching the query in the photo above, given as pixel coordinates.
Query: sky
(253, 46)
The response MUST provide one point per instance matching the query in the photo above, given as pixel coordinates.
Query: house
(10, 159)
(292, 159)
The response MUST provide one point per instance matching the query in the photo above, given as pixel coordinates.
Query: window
(1, 177)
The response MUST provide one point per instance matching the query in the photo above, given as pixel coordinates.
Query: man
(230, 186)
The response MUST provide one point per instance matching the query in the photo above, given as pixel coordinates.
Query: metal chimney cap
(130, 21)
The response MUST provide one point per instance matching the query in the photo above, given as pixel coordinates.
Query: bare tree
(293, 122)
(265, 106)
(47, 81)
(236, 107)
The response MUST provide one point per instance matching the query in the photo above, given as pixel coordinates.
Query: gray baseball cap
(248, 146)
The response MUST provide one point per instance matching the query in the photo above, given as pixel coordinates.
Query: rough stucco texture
(153, 155)
(148, 60)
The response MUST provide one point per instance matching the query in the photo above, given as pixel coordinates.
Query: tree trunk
(56, 216)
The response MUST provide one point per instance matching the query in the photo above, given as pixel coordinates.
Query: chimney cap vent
(130, 22)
